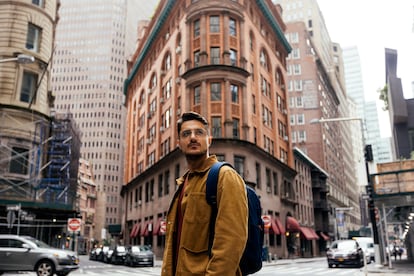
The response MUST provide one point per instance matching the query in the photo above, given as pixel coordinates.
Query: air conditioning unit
(177, 80)
(162, 100)
(149, 115)
(178, 111)
(162, 129)
(149, 90)
(286, 138)
(139, 202)
(178, 49)
(163, 72)
(149, 141)
(268, 189)
(284, 111)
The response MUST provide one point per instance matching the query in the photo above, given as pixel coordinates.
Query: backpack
(251, 260)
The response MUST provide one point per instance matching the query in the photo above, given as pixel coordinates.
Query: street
(317, 266)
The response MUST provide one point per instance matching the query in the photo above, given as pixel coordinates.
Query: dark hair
(189, 116)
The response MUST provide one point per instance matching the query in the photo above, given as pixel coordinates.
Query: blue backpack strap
(211, 197)
(211, 184)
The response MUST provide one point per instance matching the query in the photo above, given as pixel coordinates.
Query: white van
(367, 244)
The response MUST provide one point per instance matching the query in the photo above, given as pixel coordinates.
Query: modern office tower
(34, 193)
(318, 84)
(89, 69)
(227, 63)
(399, 109)
(367, 110)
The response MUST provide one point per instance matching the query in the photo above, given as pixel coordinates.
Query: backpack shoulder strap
(211, 197)
(211, 184)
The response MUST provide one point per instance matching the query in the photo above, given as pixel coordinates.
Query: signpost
(163, 226)
(74, 224)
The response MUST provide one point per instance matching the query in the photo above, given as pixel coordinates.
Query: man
(187, 239)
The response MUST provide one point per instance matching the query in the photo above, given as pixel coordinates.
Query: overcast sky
(372, 26)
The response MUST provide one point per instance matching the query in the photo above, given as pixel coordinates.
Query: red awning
(135, 230)
(280, 226)
(144, 229)
(147, 228)
(292, 224)
(131, 234)
(273, 227)
(309, 233)
(324, 236)
(156, 230)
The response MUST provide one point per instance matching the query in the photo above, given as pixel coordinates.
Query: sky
(372, 26)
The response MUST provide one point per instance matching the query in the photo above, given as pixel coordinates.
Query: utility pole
(371, 205)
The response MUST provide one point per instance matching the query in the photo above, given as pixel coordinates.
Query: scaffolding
(59, 181)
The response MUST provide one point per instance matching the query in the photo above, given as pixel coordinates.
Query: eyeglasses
(198, 132)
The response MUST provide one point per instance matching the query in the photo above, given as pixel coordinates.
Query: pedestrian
(187, 238)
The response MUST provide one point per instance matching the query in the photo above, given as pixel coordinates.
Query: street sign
(163, 227)
(267, 221)
(13, 207)
(74, 224)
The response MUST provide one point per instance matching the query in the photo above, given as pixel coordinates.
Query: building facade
(317, 90)
(89, 68)
(227, 63)
(31, 186)
(400, 110)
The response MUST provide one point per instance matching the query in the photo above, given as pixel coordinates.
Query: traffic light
(369, 190)
(368, 153)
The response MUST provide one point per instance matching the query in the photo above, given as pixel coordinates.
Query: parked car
(93, 255)
(24, 253)
(367, 244)
(345, 252)
(102, 253)
(107, 255)
(118, 255)
(139, 255)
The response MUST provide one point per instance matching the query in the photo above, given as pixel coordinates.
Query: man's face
(193, 139)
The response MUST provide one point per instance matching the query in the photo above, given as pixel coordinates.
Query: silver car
(23, 253)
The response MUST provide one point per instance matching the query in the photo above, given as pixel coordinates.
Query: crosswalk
(311, 270)
(289, 270)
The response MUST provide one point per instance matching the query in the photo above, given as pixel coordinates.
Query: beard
(195, 156)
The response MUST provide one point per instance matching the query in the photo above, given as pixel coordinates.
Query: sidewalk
(402, 267)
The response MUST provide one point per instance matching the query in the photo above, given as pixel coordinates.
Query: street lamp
(22, 59)
(368, 158)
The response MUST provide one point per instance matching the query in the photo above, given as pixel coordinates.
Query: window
(234, 89)
(300, 119)
(33, 37)
(233, 57)
(236, 124)
(197, 28)
(296, 69)
(38, 3)
(19, 160)
(299, 102)
(214, 55)
(239, 165)
(263, 60)
(29, 84)
(298, 85)
(214, 24)
(232, 27)
(216, 127)
(197, 95)
(196, 58)
(215, 91)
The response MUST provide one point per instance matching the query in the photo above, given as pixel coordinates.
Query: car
(140, 255)
(93, 255)
(367, 244)
(345, 253)
(118, 255)
(25, 253)
(107, 255)
(102, 253)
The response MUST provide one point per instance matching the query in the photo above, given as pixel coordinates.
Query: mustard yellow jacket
(230, 228)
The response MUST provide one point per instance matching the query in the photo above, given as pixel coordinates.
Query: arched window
(264, 59)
